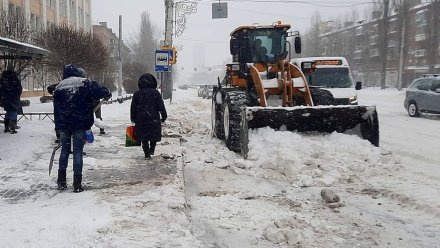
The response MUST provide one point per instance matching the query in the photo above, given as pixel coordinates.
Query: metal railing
(44, 115)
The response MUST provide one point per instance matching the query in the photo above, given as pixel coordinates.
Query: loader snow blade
(359, 120)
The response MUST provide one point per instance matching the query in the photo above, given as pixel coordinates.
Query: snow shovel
(55, 149)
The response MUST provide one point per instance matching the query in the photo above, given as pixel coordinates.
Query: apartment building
(42, 13)
(111, 41)
(360, 43)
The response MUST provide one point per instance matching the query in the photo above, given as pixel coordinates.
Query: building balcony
(420, 53)
(420, 37)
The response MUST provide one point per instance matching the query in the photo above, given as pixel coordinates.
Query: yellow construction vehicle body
(262, 88)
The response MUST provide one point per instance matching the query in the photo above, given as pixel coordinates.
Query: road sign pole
(169, 16)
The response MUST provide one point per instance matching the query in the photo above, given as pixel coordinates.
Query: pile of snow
(313, 160)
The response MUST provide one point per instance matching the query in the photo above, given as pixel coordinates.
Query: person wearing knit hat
(147, 111)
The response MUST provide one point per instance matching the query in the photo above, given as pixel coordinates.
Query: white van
(332, 74)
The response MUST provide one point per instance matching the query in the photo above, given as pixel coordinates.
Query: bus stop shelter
(15, 50)
(12, 49)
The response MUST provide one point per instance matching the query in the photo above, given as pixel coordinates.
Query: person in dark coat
(11, 91)
(147, 111)
(74, 99)
(51, 89)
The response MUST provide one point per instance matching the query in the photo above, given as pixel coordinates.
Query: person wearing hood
(11, 92)
(147, 111)
(51, 89)
(74, 99)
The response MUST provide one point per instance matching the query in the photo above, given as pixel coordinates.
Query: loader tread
(235, 101)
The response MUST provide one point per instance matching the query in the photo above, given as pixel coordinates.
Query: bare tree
(402, 8)
(433, 34)
(312, 44)
(14, 26)
(73, 46)
(383, 40)
(145, 43)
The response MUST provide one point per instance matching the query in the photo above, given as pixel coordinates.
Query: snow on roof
(7, 44)
(420, 6)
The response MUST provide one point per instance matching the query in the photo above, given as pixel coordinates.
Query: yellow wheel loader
(263, 89)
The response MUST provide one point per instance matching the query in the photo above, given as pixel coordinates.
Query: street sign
(219, 10)
(162, 60)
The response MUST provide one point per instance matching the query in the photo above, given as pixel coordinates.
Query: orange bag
(130, 137)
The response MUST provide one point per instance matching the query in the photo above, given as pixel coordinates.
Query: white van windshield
(331, 78)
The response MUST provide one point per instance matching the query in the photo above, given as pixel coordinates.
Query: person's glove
(108, 97)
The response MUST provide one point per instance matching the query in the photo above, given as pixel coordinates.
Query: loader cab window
(331, 78)
(268, 45)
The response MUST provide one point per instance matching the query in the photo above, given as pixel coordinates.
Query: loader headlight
(353, 100)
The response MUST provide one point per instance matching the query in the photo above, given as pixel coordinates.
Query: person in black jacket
(11, 91)
(146, 106)
(74, 99)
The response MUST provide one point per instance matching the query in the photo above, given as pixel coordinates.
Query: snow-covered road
(210, 197)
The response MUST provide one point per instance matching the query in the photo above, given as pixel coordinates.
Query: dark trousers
(148, 147)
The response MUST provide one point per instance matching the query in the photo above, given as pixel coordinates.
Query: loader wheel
(216, 116)
(232, 106)
(322, 97)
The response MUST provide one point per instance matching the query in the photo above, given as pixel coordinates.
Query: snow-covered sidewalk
(128, 202)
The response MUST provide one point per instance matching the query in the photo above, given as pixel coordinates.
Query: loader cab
(254, 44)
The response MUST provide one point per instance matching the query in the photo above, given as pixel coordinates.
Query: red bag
(130, 137)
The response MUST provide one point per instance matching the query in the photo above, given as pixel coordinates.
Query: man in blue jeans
(74, 99)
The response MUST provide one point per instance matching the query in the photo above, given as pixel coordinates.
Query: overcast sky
(206, 41)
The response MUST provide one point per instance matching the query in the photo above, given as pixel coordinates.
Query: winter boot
(146, 150)
(7, 126)
(101, 131)
(61, 181)
(77, 186)
(152, 147)
(13, 126)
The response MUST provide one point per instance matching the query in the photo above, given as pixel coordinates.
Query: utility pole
(168, 76)
(119, 63)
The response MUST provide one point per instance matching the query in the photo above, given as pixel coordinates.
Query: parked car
(200, 90)
(183, 87)
(207, 91)
(423, 96)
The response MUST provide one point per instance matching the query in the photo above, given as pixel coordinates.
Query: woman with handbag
(147, 111)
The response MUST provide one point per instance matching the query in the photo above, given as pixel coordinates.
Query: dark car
(423, 96)
(207, 91)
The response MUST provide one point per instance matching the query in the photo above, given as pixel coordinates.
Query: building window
(11, 8)
(359, 31)
(393, 43)
(421, 18)
(374, 52)
(373, 40)
(72, 11)
(420, 53)
(51, 4)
